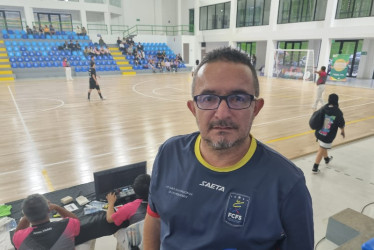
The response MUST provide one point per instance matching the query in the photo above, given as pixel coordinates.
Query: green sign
(339, 67)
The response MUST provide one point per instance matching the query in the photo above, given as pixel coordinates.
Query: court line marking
(20, 115)
(48, 181)
(312, 131)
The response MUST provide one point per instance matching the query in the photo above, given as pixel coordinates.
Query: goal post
(294, 64)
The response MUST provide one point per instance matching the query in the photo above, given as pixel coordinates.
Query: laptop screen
(108, 180)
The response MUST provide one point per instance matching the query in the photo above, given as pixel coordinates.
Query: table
(92, 225)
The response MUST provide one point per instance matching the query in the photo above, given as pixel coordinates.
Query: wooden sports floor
(52, 137)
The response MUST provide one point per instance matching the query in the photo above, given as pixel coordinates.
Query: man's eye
(208, 99)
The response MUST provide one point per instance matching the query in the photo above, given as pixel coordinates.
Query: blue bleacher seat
(49, 64)
(36, 64)
(74, 63)
(8, 43)
(40, 59)
(46, 58)
(57, 64)
(4, 31)
(12, 59)
(33, 59)
(101, 68)
(42, 64)
(44, 53)
(10, 54)
(12, 36)
(28, 65)
(19, 59)
(42, 36)
(6, 36)
(21, 65)
(24, 53)
(18, 53)
(14, 65)
(26, 59)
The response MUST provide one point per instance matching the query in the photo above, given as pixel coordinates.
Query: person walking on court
(67, 68)
(94, 84)
(325, 136)
(320, 86)
(235, 192)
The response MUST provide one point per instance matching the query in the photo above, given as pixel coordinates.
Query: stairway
(6, 73)
(123, 64)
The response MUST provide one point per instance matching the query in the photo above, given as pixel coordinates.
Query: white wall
(139, 9)
(186, 5)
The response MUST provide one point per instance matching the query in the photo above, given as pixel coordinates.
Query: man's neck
(225, 157)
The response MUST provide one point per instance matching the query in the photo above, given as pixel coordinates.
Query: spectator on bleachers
(77, 45)
(34, 30)
(140, 53)
(67, 68)
(174, 65)
(130, 50)
(92, 51)
(65, 46)
(46, 30)
(52, 29)
(159, 55)
(41, 30)
(121, 47)
(151, 64)
(179, 58)
(137, 60)
(86, 51)
(71, 45)
(97, 51)
(84, 31)
(103, 51)
(101, 42)
(119, 41)
(167, 65)
(78, 31)
(28, 30)
(140, 47)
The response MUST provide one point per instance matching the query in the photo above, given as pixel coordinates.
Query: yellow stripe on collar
(236, 166)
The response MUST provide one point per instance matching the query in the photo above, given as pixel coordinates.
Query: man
(133, 211)
(44, 234)
(320, 86)
(333, 120)
(94, 84)
(67, 68)
(220, 188)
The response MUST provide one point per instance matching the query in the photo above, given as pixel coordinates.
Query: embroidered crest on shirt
(236, 209)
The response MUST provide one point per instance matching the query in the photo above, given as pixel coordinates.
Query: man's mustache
(223, 123)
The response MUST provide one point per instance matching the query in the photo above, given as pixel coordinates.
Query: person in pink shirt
(134, 211)
(44, 234)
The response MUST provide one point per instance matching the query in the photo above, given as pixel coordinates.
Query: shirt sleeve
(20, 236)
(125, 212)
(74, 226)
(297, 219)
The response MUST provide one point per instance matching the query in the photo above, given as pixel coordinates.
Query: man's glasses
(235, 101)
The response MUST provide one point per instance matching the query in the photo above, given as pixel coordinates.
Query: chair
(129, 237)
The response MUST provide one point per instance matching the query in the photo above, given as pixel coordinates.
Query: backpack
(317, 119)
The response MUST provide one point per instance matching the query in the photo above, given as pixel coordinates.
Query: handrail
(169, 30)
(118, 28)
(66, 26)
(102, 28)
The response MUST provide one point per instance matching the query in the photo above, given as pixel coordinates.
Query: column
(84, 19)
(29, 15)
(107, 19)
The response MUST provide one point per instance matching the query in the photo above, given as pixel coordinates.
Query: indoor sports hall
(53, 138)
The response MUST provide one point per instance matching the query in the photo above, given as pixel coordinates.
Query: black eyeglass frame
(224, 97)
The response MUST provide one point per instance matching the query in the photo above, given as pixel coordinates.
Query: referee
(93, 81)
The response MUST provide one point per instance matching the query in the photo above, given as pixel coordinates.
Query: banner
(339, 67)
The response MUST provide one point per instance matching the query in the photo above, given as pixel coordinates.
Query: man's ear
(259, 103)
(191, 107)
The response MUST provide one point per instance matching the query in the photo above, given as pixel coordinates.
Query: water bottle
(11, 225)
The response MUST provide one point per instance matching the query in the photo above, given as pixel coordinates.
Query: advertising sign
(339, 67)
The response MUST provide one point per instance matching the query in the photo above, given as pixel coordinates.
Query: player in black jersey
(94, 84)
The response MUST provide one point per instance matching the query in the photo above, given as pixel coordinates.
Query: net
(294, 64)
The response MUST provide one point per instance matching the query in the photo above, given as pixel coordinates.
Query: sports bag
(317, 119)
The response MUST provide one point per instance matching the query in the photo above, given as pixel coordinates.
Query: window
(252, 13)
(293, 11)
(116, 3)
(10, 20)
(294, 58)
(354, 8)
(248, 47)
(215, 16)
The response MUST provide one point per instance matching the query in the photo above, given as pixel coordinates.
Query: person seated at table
(133, 211)
(44, 234)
